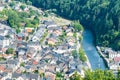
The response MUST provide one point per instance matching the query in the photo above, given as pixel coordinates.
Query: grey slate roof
(15, 61)
(16, 75)
(30, 43)
(49, 22)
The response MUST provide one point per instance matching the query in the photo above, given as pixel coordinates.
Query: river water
(88, 45)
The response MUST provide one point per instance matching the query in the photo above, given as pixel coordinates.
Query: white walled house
(4, 41)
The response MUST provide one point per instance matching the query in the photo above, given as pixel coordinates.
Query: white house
(4, 41)
(1, 8)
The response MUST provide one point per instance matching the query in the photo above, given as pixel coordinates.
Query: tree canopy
(9, 51)
(16, 19)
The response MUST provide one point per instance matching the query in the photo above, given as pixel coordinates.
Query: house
(31, 52)
(9, 70)
(71, 41)
(49, 76)
(117, 62)
(31, 76)
(72, 65)
(51, 41)
(36, 45)
(38, 35)
(3, 76)
(8, 33)
(65, 68)
(63, 47)
(4, 26)
(64, 28)
(69, 29)
(11, 34)
(16, 76)
(21, 51)
(8, 0)
(116, 59)
(22, 44)
(49, 23)
(38, 57)
(34, 62)
(4, 41)
(48, 56)
(17, 7)
(26, 9)
(41, 71)
(23, 58)
(29, 30)
(12, 63)
(113, 54)
(20, 36)
(7, 56)
(50, 67)
(2, 49)
(27, 76)
(2, 68)
(70, 33)
(1, 8)
(57, 31)
(50, 29)
(4, 32)
(57, 69)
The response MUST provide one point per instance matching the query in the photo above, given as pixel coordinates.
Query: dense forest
(101, 16)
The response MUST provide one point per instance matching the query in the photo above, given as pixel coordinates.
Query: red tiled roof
(2, 68)
(35, 62)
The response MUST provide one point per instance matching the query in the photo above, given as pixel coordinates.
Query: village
(42, 53)
(111, 57)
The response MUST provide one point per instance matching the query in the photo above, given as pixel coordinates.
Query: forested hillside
(101, 16)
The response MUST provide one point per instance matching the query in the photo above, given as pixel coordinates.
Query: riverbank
(88, 63)
(111, 57)
(104, 58)
(80, 46)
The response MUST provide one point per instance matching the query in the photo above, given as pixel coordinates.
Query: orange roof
(29, 30)
(51, 39)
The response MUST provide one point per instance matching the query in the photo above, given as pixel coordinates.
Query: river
(88, 45)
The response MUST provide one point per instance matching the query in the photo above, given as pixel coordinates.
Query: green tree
(11, 4)
(77, 26)
(118, 76)
(22, 7)
(74, 53)
(88, 75)
(29, 2)
(76, 76)
(9, 51)
(59, 76)
(36, 71)
(82, 55)
(99, 75)
(22, 64)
